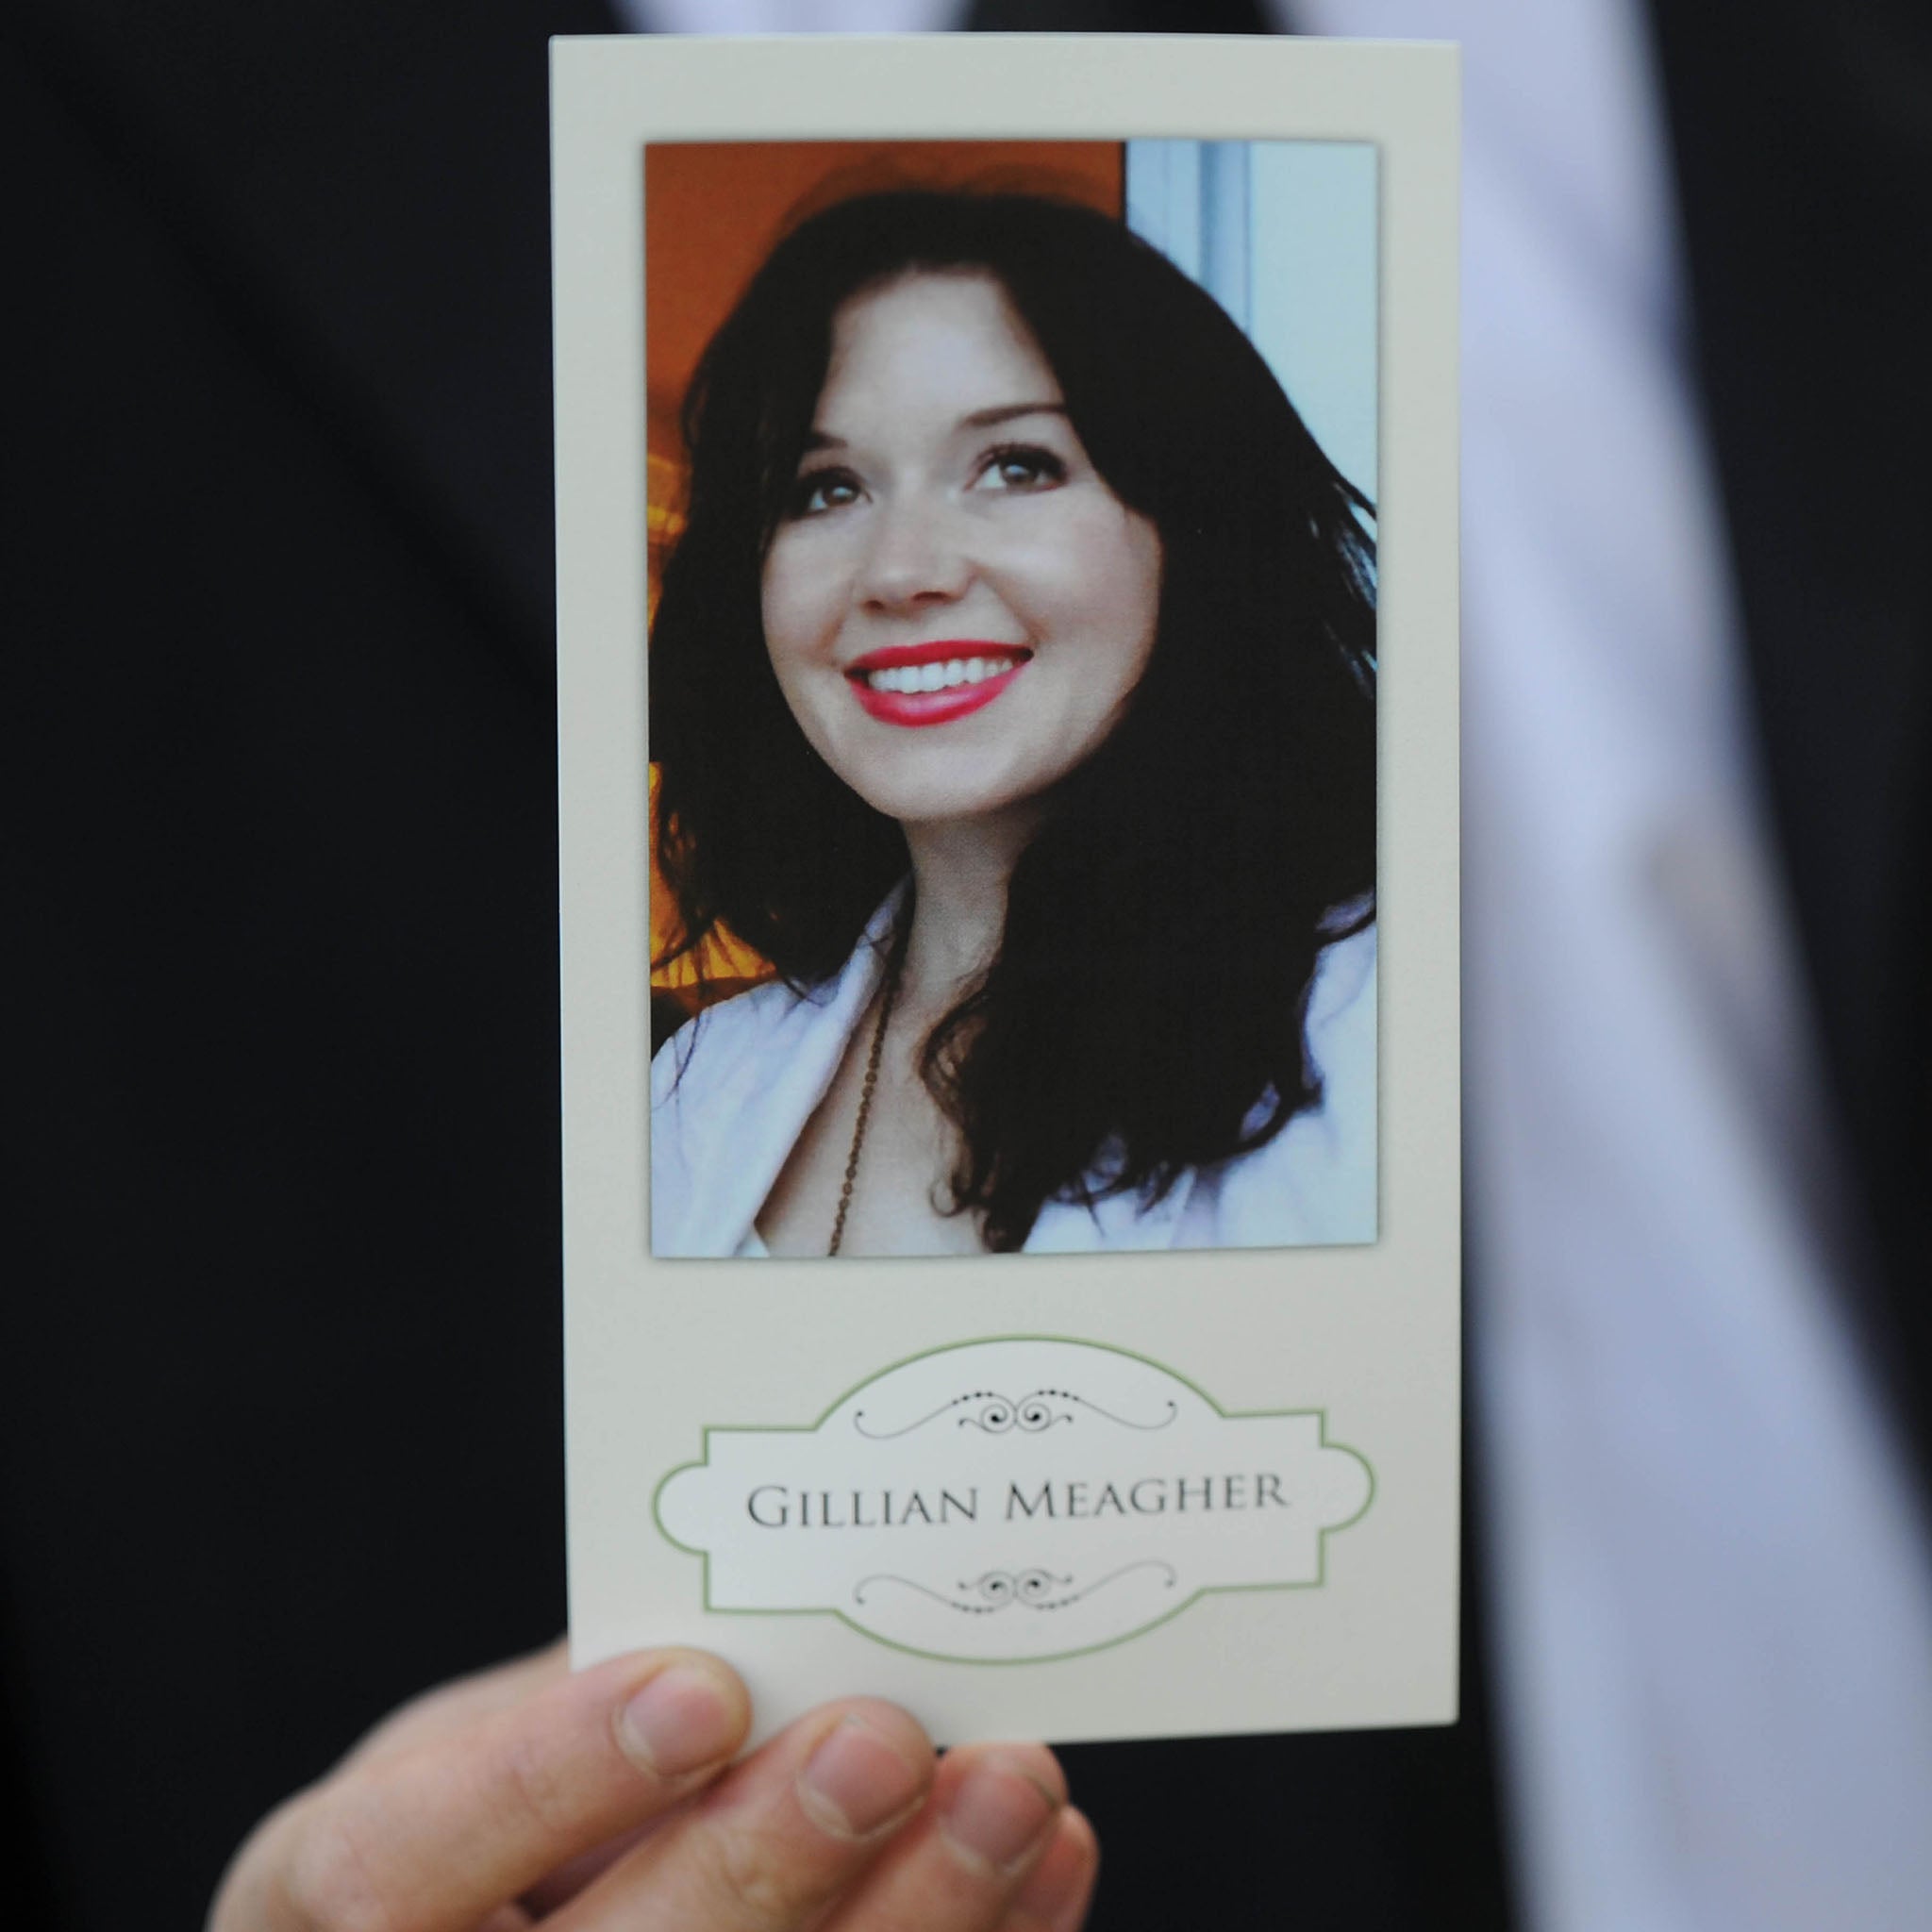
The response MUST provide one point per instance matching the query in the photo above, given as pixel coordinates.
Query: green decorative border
(1322, 1535)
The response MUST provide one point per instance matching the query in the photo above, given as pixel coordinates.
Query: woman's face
(956, 603)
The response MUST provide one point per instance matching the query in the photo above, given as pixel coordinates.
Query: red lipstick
(896, 667)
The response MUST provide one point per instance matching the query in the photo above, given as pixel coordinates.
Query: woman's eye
(819, 490)
(1022, 467)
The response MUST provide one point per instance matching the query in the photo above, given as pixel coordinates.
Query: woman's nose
(913, 557)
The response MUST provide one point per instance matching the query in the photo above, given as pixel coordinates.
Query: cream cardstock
(1075, 1496)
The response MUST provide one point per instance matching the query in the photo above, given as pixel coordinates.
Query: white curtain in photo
(1282, 234)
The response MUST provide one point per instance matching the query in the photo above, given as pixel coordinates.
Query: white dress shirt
(1713, 1629)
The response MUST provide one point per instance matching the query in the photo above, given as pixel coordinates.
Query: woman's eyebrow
(980, 419)
(1005, 412)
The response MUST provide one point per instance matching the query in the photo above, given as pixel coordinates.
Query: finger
(507, 1919)
(454, 1706)
(993, 1817)
(774, 1844)
(435, 1839)
(1060, 1887)
(558, 1887)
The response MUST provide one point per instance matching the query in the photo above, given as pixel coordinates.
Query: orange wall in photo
(712, 211)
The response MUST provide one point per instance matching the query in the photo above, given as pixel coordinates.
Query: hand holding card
(603, 1800)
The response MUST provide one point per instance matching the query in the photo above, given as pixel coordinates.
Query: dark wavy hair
(1146, 1012)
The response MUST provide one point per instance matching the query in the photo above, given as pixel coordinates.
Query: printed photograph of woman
(1012, 706)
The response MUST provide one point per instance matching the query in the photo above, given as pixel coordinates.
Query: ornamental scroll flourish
(1000, 1590)
(995, 1414)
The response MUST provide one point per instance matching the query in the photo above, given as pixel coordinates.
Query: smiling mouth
(934, 683)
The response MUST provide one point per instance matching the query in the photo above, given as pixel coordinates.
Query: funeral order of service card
(1007, 550)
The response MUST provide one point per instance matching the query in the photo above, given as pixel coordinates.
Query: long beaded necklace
(889, 993)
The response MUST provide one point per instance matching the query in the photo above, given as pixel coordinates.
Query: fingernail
(999, 1814)
(679, 1721)
(859, 1779)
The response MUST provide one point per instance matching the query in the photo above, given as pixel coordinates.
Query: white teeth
(953, 675)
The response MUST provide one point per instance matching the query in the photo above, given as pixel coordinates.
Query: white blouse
(732, 1091)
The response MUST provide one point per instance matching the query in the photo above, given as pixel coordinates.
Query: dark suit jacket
(281, 1416)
